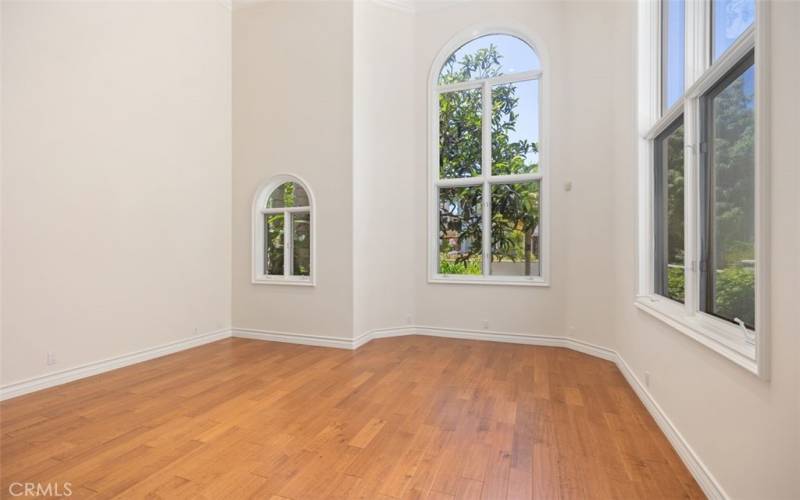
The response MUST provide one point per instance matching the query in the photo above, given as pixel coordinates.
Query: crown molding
(418, 6)
(408, 6)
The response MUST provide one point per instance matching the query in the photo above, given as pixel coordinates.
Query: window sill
(719, 336)
(458, 280)
(281, 280)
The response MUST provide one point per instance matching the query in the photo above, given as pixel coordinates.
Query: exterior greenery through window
(282, 232)
(669, 223)
(728, 183)
(488, 184)
(726, 216)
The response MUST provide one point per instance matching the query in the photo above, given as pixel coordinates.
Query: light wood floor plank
(410, 417)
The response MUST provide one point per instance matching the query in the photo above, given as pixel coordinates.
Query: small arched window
(283, 232)
(487, 172)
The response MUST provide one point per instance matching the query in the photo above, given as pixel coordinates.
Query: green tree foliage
(734, 173)
(274, 243)
(676, 283)
(675, 207)
(733, 163)
(735, 294)
(515, 207)
(302, 244)
(733, 209)
(460, 133)
(287, 194)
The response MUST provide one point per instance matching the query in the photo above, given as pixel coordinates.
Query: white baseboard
(47, 380)
(431, 331)
(518, 338)
(697, 468)
(382, 333)
(292, 338)
(704, 478)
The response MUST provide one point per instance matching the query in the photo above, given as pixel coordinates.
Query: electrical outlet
(409, 320)
(196, 330)
(486, 324)
(647, 379)
(51, 358)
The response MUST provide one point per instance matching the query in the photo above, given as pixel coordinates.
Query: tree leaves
(515, 207)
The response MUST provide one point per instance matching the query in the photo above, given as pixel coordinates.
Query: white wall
(293, 113)
(746, 431)
(383, 167)
(137, 130)
(116, 174)
(579, 150)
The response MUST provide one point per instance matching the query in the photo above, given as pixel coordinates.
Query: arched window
(283, 232)
(487, 172)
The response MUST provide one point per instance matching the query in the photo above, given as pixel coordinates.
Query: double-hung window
(703, 173)
(488, 181)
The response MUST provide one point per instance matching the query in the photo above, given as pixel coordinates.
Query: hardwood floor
(398, 418)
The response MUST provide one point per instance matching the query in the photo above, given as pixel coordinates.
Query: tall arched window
(283, 232)
(488, 177)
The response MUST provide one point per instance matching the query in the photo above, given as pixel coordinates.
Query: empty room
(391, 249)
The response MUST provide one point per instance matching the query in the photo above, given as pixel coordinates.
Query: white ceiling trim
(401, 5)
(407, 6)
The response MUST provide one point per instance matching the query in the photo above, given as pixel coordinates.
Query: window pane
(672, 51)
(730, 188)
(669, 202)
(515, 128)
(515, 229)
(729, 19)
(273, 241)
(460, 234)
(288, 194)
(486, 57)
(301, 238)
(460, 133)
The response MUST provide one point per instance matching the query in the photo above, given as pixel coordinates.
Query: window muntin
(672, 51)
(729, 20)
(668, 192)
(283, 232)
(488, 179)
(727, 268)
(469, 61)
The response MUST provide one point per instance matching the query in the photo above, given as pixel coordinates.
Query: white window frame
(486, 180)
(258, 211)
(747, 349)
